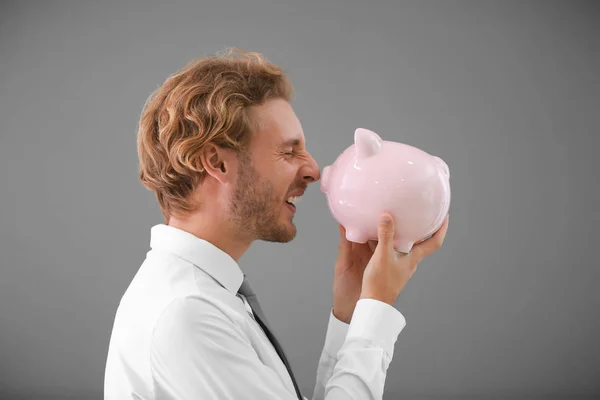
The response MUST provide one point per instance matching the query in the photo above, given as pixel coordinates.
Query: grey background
(507, 93)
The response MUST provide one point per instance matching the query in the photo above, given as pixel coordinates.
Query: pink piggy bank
(373, 176)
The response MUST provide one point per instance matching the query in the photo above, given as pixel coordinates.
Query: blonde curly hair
(205, 102)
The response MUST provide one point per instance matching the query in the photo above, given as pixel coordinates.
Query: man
(222, 149)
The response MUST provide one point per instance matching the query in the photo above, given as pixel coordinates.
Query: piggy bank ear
(367, 142)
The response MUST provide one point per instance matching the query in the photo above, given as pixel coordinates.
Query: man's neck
(217, 232)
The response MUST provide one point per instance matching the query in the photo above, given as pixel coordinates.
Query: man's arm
(355, 357)
(198, 353)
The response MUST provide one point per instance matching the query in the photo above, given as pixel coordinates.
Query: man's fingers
(344, 243)
(430, 245)
(385, 231)
(372, 244)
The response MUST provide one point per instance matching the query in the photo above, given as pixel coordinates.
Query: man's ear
(219, 162)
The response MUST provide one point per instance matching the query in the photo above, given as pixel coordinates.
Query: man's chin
(286, 232)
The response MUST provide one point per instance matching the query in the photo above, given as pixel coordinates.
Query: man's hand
(389, 270)
(348, 275)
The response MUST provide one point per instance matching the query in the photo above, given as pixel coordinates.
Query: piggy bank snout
(325, 179)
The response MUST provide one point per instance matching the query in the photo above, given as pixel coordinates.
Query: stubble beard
(255, 209)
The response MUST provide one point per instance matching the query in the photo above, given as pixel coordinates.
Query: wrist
(385, 299)
(344, 317)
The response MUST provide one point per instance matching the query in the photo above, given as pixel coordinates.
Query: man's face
(275, 167)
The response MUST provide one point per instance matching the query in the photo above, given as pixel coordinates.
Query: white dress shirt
(181, 332)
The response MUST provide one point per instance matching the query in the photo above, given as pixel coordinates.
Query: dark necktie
(259, 315)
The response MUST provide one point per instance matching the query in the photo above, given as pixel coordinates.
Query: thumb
(385, 230)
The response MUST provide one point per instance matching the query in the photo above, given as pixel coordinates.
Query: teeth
(292, 199)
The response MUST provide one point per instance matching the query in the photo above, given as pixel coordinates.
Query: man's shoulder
(192, 317)
(196, 307)
(166, 285)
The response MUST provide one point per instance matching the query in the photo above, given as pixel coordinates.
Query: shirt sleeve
(355, 357)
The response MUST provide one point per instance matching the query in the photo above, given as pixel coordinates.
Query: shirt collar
(199, 252)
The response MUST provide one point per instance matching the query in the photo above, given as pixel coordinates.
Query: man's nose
(311, 172)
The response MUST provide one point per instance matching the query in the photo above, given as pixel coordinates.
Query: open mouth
(290, 202)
